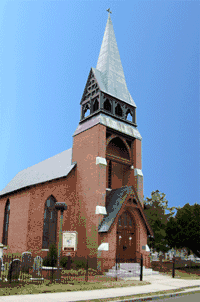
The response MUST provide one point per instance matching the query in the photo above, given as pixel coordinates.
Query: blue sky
(46, 51)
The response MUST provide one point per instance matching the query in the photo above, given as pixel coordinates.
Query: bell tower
(106, 143)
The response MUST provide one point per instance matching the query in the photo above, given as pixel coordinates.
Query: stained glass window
(50, 223)
(6, 223)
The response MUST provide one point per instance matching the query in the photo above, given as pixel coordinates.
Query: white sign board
(69, 240)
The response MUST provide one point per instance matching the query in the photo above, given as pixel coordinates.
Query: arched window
(6, 223)
(125, 221)
(117, 148)
(118, 110)
(86, 110)
(129, 115)
(50, 223)
(107, 105)
(95, 106)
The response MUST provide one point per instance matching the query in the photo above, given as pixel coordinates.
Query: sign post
(69, 243)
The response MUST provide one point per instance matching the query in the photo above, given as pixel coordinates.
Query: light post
(62, 206)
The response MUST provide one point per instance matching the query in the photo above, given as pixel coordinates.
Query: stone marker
(1, 256)
(14, 270)
(0, 268)
(26, 261)
(37, 268)
(155, 256)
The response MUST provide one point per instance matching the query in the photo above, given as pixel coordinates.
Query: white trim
(45, 250)
(103, 247)
(100, 210)
(101, 161)
(147, 248)
(138, 172)
(49, 268)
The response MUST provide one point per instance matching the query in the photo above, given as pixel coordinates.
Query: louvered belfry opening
(107, 105)
(96, 105)
(50, 223)
(118, 110)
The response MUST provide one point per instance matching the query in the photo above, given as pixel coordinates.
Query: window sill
(45, 250)
(107, 189)
(5, 248)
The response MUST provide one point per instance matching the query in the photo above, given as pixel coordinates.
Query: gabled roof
(109, 71)
(54, 167)
(114, 203)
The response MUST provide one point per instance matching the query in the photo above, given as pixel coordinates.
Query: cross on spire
(109, 11)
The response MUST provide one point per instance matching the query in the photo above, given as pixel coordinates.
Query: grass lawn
(35, 287)
(186, 273)
(26, 286)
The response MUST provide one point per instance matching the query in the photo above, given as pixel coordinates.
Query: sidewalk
(158, 283)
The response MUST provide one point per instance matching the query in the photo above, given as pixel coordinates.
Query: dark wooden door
(125, 238)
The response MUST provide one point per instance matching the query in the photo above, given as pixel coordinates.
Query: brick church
(100, 178)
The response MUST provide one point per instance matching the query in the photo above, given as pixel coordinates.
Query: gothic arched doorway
(126, 243)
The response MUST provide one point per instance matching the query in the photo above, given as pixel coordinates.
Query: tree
(184, 229)
(51, 258)
(155, 210)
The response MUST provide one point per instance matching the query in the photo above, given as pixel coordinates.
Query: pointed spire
(110, 66)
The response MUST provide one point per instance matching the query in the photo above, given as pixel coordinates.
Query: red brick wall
(91, 184)
(27, 213)
(107, 258)
(63, 190)
(137, 154)
(18, 221)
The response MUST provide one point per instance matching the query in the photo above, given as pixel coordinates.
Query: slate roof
(54, 167)
(109, 71)
(109, 122)
(114, 203)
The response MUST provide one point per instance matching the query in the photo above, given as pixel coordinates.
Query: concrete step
(130, 270)
(126, 275)
(132, 273)
(129, 265)
(121, 275)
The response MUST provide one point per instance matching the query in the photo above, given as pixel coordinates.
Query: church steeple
(106, 92)
(110, 65)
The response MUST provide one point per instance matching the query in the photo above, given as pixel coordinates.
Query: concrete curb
(162, 296)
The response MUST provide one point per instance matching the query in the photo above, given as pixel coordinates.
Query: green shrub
(64, 261)
(71, 272)
(52, 256)
(79, 264)
(92, 272)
